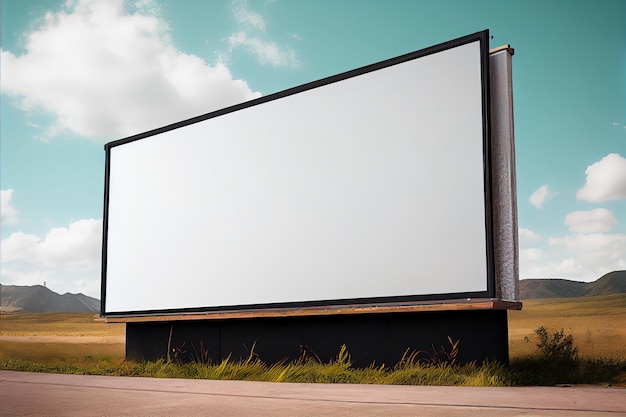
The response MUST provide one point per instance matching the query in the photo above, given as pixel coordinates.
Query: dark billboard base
(369, 338)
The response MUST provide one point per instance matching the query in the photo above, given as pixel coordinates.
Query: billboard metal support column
(504, 187)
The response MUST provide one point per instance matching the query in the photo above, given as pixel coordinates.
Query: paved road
(51, 395)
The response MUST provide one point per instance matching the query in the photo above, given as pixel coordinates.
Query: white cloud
(531, 254)
(8, 213)
(253, 38)
(567, 268)
(68, 258)
(608, 247)
(266, 52)
(105, 72)
(528, 236)
(581, 257)
(540, 196)
(598, 220)
(590, 251)
(246, 16)
(606, 180)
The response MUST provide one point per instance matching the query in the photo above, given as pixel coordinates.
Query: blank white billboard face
(369, 188)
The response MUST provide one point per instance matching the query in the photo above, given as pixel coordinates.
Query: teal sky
(84, 75)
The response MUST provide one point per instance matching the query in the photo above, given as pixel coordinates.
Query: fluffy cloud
(590, 251)
(594, 246)
(585, 255)
(606, 180)
(8, 213)
(105, 72)
(253, 38)
(68, 258)
(567, 268)
(266, 52)
(595, 253)
(531, 254)
(245, 16)
(528, 236)
(540, 196)
(582, 257)
(593, 221)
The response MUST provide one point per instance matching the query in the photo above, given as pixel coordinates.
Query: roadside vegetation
(553, 364)
(545, 355)
(597, 324)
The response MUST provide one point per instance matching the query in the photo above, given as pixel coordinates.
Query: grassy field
(598, 324)
(62, 352)
(60, 337)
(84, 343)
(57, 324)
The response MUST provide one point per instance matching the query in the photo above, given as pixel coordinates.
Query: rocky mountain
(40, 299)
(611, 283)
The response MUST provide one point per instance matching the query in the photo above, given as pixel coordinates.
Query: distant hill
(611, 283)
(40, 299)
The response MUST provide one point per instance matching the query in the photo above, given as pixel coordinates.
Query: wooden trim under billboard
(451, 305)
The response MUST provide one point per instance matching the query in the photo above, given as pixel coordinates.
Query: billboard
(368, 187)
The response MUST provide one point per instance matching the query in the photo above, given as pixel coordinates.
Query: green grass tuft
(536, 370)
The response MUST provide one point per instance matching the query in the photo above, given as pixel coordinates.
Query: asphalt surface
(51, 395)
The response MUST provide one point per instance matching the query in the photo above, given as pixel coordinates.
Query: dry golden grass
(60, 337)
(58, 324)
(61, 352)
(598, 324)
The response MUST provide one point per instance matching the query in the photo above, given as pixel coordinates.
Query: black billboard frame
(490, 293)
